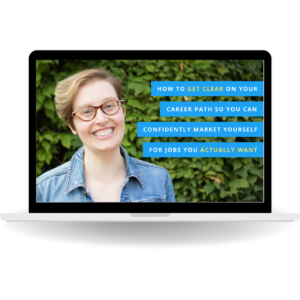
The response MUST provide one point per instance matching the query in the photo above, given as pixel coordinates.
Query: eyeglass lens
(88, 112)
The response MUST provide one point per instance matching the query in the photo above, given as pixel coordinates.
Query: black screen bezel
(182, 207)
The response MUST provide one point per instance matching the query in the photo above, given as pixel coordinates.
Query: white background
(149, 261)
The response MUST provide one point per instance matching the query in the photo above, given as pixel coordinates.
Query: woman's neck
(105, 166)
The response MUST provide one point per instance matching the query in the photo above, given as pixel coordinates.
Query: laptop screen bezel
(128, 207)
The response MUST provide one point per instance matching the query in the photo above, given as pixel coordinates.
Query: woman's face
(96, 134)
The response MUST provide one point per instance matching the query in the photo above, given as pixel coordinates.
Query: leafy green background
(194, 179)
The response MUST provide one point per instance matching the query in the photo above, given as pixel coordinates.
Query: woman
(101, 171)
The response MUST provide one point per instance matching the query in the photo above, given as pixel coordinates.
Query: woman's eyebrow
(109, 98)
(95, 104)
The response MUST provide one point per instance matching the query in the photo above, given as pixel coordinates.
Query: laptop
(150, 136)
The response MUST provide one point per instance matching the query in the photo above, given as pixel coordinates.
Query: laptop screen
(111, 131)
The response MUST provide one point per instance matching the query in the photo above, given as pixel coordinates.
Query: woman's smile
(104, 133)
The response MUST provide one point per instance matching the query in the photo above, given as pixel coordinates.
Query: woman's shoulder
(157, 181)
(146, 164)
(58, 171)
(147, 168)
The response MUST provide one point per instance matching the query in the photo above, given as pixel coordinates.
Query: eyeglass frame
(98, 107)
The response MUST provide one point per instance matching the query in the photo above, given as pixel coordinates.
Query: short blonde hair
(67, 89)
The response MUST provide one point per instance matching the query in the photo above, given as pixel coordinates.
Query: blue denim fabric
(144, 182)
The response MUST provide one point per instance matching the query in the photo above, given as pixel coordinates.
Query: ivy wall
(194, 179)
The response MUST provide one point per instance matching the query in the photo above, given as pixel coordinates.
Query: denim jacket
(144, 182)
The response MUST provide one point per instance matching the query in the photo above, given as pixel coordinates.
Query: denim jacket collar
(75, 176)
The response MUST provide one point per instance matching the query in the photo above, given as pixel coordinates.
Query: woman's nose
(101, 117)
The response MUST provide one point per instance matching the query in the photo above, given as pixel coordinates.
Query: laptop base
(142, 217)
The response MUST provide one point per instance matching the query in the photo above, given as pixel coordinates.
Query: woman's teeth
(104, 132)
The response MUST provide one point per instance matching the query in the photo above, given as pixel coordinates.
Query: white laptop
(150, 136)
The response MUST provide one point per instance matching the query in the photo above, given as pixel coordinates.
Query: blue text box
(207, 88)
(211, 109)
(200, 149)
(200, 129)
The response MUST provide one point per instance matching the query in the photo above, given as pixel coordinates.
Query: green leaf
(133, 135)
(223, 193)
(248, 161)
(208, 188)
(126, 143)
(161, 63)
(147, 90)
(42, 67)
(210, 173)
(48, 91)
(38, 75)
(179, 76)
(46, 145)
(193, 182)
(248, 198)
(49, 104)
(222, 71)
(137, 87)
(49, 113)
(216, 167)
(252, 179)
(233, 191)
(212, 196)
(177, 185)
(217, 184)
(76, 142)
(38, 106)
(48, 155)
(180, 199)
(66, 141)
(45, 61)
(186, 172)
(172, 164)
(239, 183)
(193, 190)
(150, 68)
(48, 137)
(132, 150)
(173, 175)
(40, 97)
(236, 164)
(258, 172)
(147, 77)
(199, 165)
(38, 171)
(242, 172)
(136, 104)
(162, 75)
(220, 161)
(257, 188)
(41, 156)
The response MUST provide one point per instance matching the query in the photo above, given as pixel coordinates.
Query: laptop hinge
(142, 215)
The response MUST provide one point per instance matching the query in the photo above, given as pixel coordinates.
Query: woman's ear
(74, 132)
(124, 110)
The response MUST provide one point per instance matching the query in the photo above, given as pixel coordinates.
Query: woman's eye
(110, 106)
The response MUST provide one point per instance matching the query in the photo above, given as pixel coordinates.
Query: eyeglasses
(89, 112)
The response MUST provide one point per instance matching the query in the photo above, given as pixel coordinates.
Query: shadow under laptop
(145, 234)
